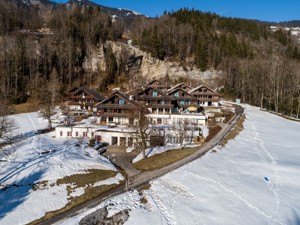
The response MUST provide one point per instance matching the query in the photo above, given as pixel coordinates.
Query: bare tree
(160, 136)
(181, 128)
(7, 124)
(49, 96)
(143, 130)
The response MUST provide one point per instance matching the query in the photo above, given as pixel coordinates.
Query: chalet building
(184, 100)
(118, 109)
(206, 96)
(157, 101)
(158, 85)
(76, 131)
(83, 99)
(113, 136)
(182, 86)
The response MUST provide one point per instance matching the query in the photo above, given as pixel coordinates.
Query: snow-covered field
(40, 158)
(254, 179)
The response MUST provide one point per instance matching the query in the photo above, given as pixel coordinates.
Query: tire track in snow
(31, 121)
(276, 187)
(245, 201)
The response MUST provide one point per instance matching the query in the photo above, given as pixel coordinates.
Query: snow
(30, 168)
(109, 181)
(29, 122)
(227, 185)
(160, 149)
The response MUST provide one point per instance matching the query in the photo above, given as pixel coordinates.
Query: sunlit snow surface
(228, 186)
(42, 158)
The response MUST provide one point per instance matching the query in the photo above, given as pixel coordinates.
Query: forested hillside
(43, 45)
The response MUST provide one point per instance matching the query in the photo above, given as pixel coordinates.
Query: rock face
(99, 217)
(143, 64)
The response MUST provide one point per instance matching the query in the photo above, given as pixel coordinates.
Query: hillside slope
(252, 180)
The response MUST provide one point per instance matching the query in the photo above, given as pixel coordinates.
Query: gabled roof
(120, 94)
(153, 81)
(177, 89)
(178, 85)
(201, 86)
(89, 91)
(158, 91)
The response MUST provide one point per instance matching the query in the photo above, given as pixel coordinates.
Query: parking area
(119, 156)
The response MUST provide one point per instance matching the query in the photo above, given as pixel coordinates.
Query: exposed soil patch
(213, 130)
(235, 131)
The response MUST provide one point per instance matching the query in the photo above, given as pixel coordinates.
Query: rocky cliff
(140, 63)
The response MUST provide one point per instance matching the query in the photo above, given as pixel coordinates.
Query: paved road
(144, 177)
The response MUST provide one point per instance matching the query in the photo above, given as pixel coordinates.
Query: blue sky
(267, 10)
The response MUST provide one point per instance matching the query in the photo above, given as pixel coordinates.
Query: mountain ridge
(131, 14)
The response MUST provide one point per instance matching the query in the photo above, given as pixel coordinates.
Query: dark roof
(178, 88)
(92, 92)
(178, 85)
(153, 81)
(195, 89)
(158, 91)
(122, 95)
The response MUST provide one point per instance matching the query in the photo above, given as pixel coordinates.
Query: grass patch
(25, 108)
(235, 131)
(81, 180)
(164, 159)
(213, 130)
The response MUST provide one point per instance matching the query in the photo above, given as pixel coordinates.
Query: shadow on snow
(14, 195)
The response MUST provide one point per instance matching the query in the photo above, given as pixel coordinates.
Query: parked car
(101, 147)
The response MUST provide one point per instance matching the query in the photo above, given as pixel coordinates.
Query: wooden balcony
(82, 103)
(115, 106)
(160, 106)
(112, 114)
(149, 97)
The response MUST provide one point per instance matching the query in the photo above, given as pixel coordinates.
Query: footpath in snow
(254, 179)
(29, 173)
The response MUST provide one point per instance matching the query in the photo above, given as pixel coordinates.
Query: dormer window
(176, 94)
(121, 102)
(154, 94)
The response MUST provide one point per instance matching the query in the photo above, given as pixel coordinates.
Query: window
(154, 93)
(121, 102)
(159, 120)
(110, 119)
(92, 134)
(163, 102)
(76, 133)
(188, 102)
(181, 102)
(69, 133)
(61, 133)
(176, 94)
(84, 134)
